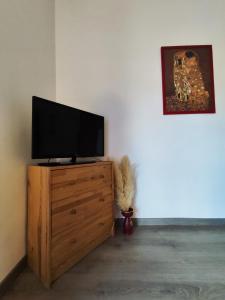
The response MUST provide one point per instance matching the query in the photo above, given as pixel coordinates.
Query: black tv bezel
(68, 155)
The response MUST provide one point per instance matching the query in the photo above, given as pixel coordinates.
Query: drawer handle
(72, 182)
(102, 200)
(101, 224)
(97, 177)
(73, 211)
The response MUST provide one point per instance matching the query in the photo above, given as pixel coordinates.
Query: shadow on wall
(116, 112)
(135, 174)
(20, 129)
(106, 136)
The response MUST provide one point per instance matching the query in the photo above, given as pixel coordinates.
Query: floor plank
(169, 263)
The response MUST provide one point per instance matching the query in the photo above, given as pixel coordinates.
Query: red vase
(128, 226)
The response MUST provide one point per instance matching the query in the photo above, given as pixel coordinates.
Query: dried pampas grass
(124, 183)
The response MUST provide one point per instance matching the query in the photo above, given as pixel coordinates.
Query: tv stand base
(55, 164)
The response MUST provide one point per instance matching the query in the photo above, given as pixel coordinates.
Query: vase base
(128, 226)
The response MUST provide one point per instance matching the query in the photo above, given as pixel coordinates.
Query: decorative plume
(124, 183)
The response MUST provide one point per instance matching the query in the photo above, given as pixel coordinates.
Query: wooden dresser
(70, 212)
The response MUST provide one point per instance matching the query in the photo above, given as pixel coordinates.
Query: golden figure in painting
(188, 80)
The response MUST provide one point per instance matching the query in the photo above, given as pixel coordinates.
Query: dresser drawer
(65, 238)
(78, 243)
(80, 175)
(68, 182)
(76, 211)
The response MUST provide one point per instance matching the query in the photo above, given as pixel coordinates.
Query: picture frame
(187, 79)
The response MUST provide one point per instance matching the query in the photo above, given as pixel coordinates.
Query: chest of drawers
(70, 212)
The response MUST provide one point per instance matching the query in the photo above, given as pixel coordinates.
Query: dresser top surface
(69, 166)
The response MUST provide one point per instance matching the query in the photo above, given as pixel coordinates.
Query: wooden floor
(170, 263)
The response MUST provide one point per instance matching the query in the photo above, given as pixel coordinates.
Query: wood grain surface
(39, 226)
(70, 212)
(155, 263)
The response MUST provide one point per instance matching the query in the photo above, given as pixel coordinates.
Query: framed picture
(187, 80)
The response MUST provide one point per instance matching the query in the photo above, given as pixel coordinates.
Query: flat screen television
(60, 131)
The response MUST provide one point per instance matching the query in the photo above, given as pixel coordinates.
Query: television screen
(61, 131)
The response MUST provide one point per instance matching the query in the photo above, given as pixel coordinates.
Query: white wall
(108, 62)
(27, 67)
